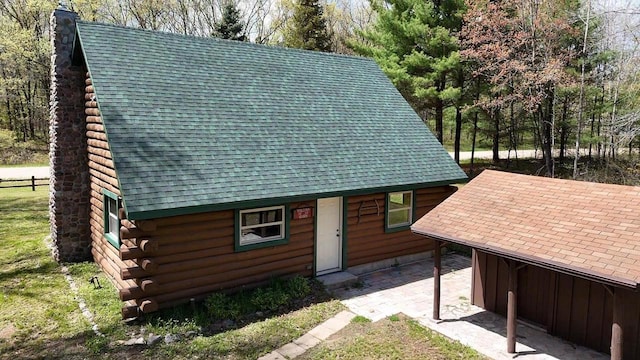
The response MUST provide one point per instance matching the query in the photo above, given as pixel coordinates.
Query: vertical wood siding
(572, 308)
(366, 238)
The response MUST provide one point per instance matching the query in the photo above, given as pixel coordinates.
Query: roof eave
(154, 214)
(533, 260)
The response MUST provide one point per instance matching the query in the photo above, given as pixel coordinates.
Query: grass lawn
(396, 337)
(39, 316)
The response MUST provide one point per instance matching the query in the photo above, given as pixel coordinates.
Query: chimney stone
(69, 165)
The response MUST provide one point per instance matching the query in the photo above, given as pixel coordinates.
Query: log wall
(183, 257)
(102, 176)
(367, 240)
(575, 309)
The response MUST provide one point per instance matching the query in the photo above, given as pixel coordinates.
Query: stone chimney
(69, 181)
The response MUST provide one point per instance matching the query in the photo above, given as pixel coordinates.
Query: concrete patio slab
(338, 279)
(408, 289)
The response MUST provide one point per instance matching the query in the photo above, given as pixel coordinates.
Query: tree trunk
(458, 133)
(581, 98)
(593, 121)
(563, 128)
(456, 144)
(473, 141)
(439, 114)
(475, 127)
(546, 141)
(512, 134)
(496, 135)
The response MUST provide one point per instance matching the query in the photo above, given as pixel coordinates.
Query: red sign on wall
(302, 213)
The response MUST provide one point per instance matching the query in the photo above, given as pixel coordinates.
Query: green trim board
(114, 240)
(345, 225)
(286, 217)
(315, 236)
(287, 126)
(392, 229)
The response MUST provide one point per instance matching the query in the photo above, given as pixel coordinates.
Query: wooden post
(33, 183)
(616, 327)
(436, 281)
(512, 307)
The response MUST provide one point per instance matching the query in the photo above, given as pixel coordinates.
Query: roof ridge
(232, 42)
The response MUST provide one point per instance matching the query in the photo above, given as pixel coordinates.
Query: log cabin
(561, 255)
(186, 165)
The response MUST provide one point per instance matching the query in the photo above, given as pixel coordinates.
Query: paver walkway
(312, 338)
(408, 289)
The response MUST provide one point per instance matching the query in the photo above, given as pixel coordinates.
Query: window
(111, 220)
(261, 227)
(399, 210)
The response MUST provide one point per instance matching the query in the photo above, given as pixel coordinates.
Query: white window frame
(112, 206)
(404, 208)
(281, 223)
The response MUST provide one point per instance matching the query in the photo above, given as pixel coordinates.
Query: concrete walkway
(408, 289)
(312, 338)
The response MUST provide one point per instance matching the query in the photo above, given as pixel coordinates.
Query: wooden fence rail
(32, 183)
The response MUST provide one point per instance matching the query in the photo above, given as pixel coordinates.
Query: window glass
(400, 207)
(261, 225)
(111, 219)
(114, 222)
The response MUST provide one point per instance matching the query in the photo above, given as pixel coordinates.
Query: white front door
(329, 235)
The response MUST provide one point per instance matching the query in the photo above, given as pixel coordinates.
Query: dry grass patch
(396, 337)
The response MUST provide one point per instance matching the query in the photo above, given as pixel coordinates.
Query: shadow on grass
(15, 204)
(34, 347)
(32, 269)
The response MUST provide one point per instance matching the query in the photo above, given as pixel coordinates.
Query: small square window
(261, 227)
(399, 210)
(111, 219)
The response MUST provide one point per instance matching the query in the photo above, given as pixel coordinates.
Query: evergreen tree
(414, 43)
(230, 26)
(308, 28)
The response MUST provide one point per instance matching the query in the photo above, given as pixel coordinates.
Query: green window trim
(111, 219)
(284, 239)
(412, 211)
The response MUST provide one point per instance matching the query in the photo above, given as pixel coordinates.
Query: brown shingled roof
(586, 229)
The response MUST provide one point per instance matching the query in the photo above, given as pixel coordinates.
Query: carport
(562, 254)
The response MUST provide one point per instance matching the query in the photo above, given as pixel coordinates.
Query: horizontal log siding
(571, 308)
(102, 176)
(193, 255)
(366, 238)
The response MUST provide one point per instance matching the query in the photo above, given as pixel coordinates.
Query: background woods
(557, 76)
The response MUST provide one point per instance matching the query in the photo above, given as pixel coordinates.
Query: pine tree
(230, 26)
(308, 28)
(414, 43)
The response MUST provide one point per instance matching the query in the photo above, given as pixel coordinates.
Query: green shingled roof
(197, 124)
